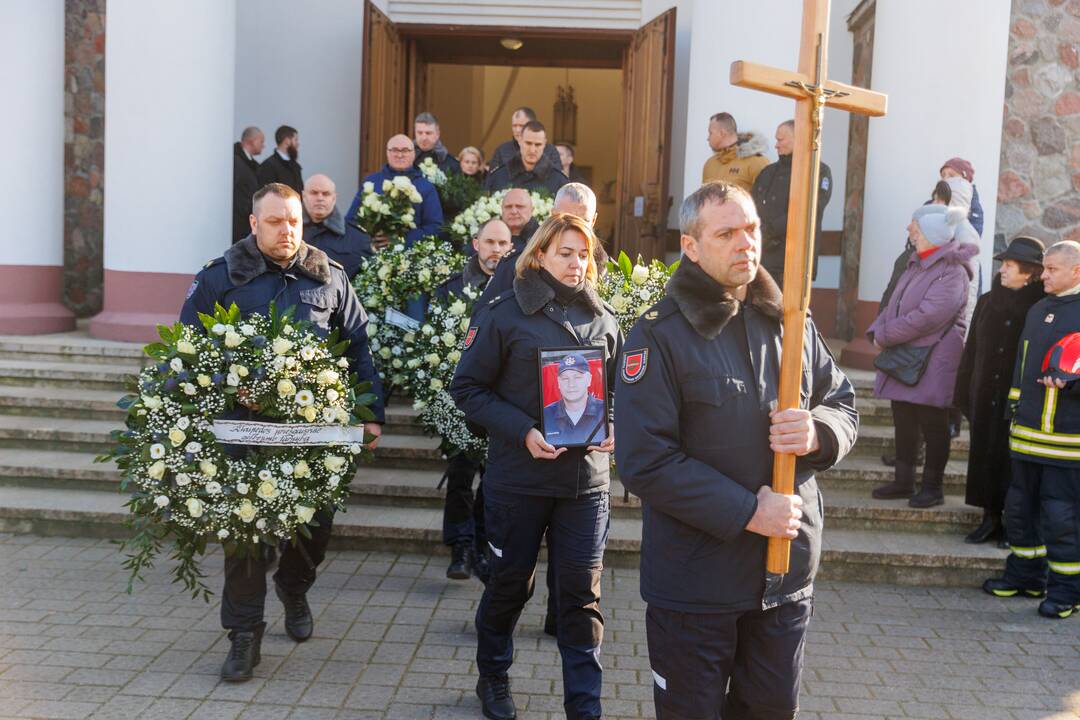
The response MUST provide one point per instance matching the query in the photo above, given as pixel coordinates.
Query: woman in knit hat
(961, 168)
(926, 310)
(985, 376)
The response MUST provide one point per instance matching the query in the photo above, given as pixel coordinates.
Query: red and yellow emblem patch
(470, 337)
(634, 365)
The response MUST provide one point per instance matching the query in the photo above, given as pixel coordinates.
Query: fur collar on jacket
(472, 275)
(245, 262)
(533, 293)
(708, 306)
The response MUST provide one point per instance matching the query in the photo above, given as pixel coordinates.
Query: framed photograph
(573, 396)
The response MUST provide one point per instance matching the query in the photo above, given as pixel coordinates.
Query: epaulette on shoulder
(659, 311)
(335, 263)
(504, 295)
(216, 261)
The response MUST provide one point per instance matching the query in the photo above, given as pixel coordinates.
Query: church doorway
(472, 77)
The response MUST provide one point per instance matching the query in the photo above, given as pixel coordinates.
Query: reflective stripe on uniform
(1046, 451)
(1029, 553)
(1064, 568)
(1026, 433)
(1049, 408)
(1014, 393)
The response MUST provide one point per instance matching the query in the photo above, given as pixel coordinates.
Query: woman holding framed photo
(536, 372)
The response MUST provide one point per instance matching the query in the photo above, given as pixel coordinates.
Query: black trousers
(1042, 512)
(729, 666)
(914, 422)
(579, 529)
(463, 513)
(244, 598)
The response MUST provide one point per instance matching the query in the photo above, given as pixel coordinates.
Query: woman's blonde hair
(549, 232)
(475, 151)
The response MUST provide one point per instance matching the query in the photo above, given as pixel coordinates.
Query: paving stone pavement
(393, 639)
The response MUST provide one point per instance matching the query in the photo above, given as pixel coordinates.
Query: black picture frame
(556, 425)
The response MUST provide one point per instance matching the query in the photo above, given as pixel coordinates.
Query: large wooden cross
(811, 92)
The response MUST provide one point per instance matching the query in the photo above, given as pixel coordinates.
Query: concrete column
(32, 188)
(942, 104)
(170, 69)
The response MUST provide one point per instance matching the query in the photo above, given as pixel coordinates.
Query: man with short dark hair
(577, 416)
(429, 144)
(274, 265)
(737, 158)
(725, 638)
(282, 166)
(531, 169)
(566, 159)
(245, 179)
(770, 192)
(505, 152)
(326, 229)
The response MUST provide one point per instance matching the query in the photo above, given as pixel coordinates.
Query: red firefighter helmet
(1063, 360)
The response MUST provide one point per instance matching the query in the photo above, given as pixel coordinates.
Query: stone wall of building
(1039, 181)
(84, 154)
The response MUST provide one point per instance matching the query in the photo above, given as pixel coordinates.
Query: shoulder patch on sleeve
(470, 337)
(634, 365)
(191, 290)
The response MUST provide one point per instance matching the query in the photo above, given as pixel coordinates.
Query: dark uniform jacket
(771, 191)
(1046, 424)
(543, 176)
(245, 183)
(314, 285)
(982, 387)
(347, 244)
(441, 156)
(471, 275)
(591, 427)
(509, 149)
(699, 376)
(275, 169)
(428, 212)
(497, 383)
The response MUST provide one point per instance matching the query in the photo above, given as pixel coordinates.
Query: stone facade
(84, 154)
(1039, 182)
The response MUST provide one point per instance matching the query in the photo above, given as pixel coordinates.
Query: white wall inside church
(32, 80)
(767, 32)
(943, 65)
(299, 64)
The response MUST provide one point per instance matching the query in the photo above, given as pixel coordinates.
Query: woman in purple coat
(926, 309)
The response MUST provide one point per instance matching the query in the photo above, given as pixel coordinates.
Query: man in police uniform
(576, 418)
(697, 425)
(273, 264)
(326, 229)
(463, 515)
(1043, 525)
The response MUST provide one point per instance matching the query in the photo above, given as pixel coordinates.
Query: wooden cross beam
(812, 92)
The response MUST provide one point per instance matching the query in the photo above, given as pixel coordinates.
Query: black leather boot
(930, 494)
(902, 486)
(460, 560)
(298, 621)
(496, 701)
(989, 529)
(243, 655)
(481, 565)
(1002, 588)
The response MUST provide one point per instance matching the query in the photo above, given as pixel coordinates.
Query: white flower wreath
(466, 224)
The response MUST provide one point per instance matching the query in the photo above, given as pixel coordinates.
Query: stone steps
(69, 375)
(877, 439)
(865, 555)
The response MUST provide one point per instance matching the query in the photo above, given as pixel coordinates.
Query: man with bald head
(1041, 505)
(326, 229)
(517, 213)
(400, 155)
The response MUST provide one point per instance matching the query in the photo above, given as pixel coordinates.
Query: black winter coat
(543, 176)
(343, 242)
(276, 170)
(497, 383)
(245, 183)
(314, 285)
(471, 275)
(982, 388)
(698, 379)
(509, 149)
(442, 158)
(771, 192)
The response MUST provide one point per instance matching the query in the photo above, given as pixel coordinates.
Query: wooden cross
(811, 92)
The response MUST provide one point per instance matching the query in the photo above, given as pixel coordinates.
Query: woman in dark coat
(986, 371)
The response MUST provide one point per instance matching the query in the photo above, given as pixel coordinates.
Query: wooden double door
(393, 92)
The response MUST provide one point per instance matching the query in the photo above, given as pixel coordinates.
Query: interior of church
(586, 116)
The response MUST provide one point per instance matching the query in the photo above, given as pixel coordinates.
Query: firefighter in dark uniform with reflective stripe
(463, 514)
(274, 265)
(1042, 507)
(530, 485)
(695, 414)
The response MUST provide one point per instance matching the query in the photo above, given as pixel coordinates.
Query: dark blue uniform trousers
(244, 598)
(1042, 513)
(734, 666)
(516, 525)
(463, 514)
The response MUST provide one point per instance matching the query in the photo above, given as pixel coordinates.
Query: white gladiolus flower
(305, 398)
(176, 364)
(157, 451)
(194, 507)
(162, 501)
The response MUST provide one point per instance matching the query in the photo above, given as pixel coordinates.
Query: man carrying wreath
(274, 265)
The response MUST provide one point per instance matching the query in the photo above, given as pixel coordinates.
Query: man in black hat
(576, 418)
